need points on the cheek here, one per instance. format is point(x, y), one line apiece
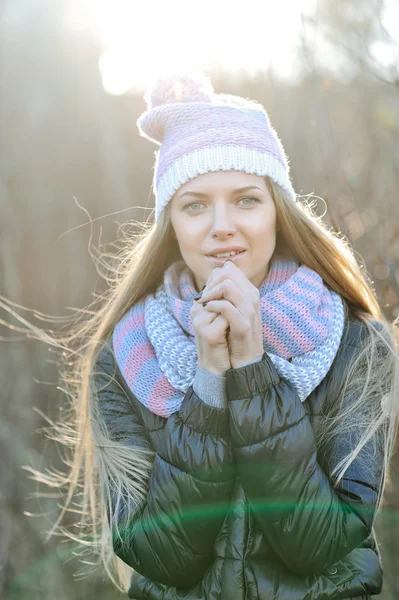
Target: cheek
point(264, 228)
point(188, 232)
point(180, 228)
point(187, 238)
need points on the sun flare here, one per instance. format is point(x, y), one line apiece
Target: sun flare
point(143, 40)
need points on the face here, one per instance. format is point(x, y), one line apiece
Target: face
point(217, 211)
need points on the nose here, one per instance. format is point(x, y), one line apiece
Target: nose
point(223, 223)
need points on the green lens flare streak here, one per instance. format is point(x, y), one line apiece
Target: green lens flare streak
point(206, 513)
point(387, 518)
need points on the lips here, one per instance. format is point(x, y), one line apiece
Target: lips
point(222, 259)
point(224, 250)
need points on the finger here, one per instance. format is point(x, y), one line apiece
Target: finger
point(218, 328)
point(201, 317)
point(228, 290)
point(210, 325)
point(211, 277)
point(239, 323)
point(230, 271)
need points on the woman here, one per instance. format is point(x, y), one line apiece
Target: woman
point(235, 398)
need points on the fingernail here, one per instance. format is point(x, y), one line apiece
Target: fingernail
point(204, 303)
point(198, 296)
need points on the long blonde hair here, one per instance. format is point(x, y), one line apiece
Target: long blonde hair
point(99, 469)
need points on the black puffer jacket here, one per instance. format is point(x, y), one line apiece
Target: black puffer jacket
point(239, 504)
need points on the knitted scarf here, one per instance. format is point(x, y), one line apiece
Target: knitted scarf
point(154, 342)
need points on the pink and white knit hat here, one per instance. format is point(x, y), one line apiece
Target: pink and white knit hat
point(200, 131)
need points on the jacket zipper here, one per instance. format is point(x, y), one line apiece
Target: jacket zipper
point(248, 544)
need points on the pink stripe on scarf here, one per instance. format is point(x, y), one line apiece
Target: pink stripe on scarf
point(305, 313)
point(160, 393)
point(289, 324)
point(134, 321)
point(274, 341)
point(178, 309)
point(136, 357)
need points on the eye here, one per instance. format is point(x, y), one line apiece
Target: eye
point(190, 206)
point(250, 198)
point(187, 206)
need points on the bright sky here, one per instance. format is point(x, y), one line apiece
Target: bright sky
point(144, 39)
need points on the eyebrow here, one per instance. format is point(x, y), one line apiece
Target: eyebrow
point(236, 191)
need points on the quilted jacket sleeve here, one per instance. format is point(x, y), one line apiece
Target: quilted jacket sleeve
point(169, 538)
point(309, 524)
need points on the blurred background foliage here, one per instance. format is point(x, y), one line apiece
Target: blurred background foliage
point(70, 153)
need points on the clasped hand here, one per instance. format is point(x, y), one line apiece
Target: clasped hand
point(230, 293)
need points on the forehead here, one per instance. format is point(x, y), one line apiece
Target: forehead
point(222, 181)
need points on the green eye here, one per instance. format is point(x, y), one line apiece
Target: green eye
point(193, 204)
point(250, 198)
point(190, 208)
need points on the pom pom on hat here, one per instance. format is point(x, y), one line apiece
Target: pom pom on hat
point(200, 131)
point(185, 87)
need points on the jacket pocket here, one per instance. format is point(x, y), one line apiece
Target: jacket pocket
point(339, 573)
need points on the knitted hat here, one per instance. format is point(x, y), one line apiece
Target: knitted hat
point(201, 131)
